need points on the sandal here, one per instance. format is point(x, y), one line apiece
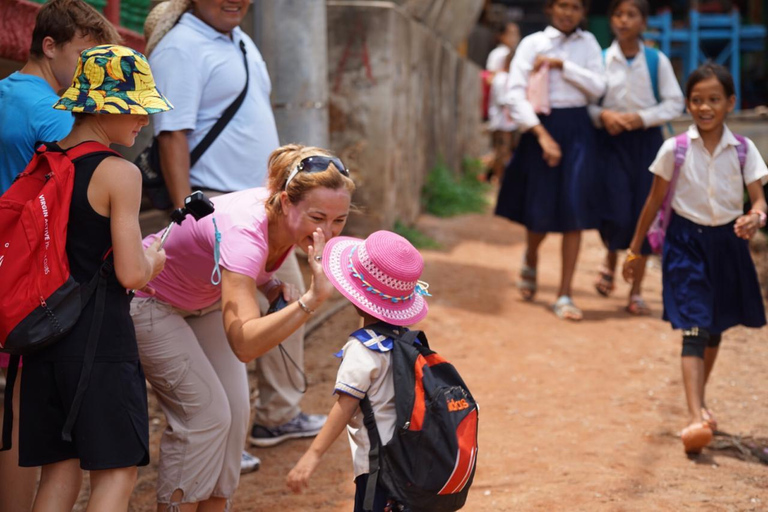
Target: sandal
point(527, 282)
point(604, 283)
point(696, 436)
point(709, 418)
point(565, 309)
point(637, 306)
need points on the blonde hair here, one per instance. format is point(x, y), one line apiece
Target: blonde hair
point(283, 160)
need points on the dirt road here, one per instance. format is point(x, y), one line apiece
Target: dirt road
point(573, 416)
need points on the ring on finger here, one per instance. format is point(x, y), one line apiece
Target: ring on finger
point(318, 258)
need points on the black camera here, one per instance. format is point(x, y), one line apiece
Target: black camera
point(277, 304)
point(196, 205)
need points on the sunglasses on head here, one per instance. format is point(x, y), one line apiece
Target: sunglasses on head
point(317, 163)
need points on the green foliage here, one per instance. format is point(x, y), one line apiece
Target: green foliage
point(416, 237)
point(446, 194)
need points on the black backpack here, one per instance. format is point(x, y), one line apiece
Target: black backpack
point(429, 463)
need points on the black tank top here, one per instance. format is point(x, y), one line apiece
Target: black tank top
point(88, 240)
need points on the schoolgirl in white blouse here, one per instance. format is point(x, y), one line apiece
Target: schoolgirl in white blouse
point(643, 94)
point(550, 183)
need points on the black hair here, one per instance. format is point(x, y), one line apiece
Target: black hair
point(708, 70)
point(642, 6)
point(584, 3)
point(501, 28)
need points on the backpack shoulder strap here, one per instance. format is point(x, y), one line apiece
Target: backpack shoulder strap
point(741, 150)
point(412, 336)
point(652, 60)
point(681, 148)
point(10, 382)
point(87, 148)
point(602, 98)
point(373, 456)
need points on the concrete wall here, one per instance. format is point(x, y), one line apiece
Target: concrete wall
point(291, 36)
point(400, 98)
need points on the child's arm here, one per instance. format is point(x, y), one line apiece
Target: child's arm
point(671, 98)
point(747, 225)
point(550, 149)
point(134, 265)
point(590, 77)
point(651, 208)
point(341, 412)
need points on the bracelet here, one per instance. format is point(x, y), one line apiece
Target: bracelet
point(631, 256)
point(761, 216)
point(305, 308)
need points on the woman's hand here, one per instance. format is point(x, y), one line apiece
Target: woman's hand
point(746, 226)
point(298, 478)
point(550, 149)
point(320, 288)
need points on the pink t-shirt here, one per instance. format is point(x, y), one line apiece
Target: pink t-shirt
point(185, 282)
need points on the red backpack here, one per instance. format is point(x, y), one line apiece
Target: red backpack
point(429, 464)
point(39, 300)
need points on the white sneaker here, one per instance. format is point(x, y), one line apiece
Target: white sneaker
point(303, 425)
point(249, 463)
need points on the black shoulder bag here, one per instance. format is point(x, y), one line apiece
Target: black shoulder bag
point(148, 160)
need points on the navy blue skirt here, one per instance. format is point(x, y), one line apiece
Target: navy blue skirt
point(554, 199)
point(708, 277)
point(626, 181)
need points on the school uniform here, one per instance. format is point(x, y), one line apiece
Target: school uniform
point(498, 113)
point(625, 157)
point(366, 370)
point(709, 279)
point(563, 198)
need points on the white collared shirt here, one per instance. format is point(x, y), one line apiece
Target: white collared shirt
point(201, 71)
point(365, 372)
point(580, 82)
point(496, 58)
point(710, 189)
point(498, 113)
point(630, 89)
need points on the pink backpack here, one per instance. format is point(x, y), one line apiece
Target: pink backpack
point(658, 229)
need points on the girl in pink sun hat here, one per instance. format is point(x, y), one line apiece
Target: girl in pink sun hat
point(380, 276)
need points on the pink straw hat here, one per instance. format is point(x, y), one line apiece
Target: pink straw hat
point(380, 275)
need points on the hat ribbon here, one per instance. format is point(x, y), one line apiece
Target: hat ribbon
point(421, 288)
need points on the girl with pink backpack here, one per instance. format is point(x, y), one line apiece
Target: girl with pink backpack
point(709, 279)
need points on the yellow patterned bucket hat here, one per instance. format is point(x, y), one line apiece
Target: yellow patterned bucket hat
point(113, 79)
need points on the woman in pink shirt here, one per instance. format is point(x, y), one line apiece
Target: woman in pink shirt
point(199, 321)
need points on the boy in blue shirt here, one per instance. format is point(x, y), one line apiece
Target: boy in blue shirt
point(63, 28)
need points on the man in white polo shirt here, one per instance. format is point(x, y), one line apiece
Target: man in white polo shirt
point(199, 65)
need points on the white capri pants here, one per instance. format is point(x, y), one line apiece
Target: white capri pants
point(203, 391)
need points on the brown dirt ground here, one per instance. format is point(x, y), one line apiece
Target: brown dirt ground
point(573, 416)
